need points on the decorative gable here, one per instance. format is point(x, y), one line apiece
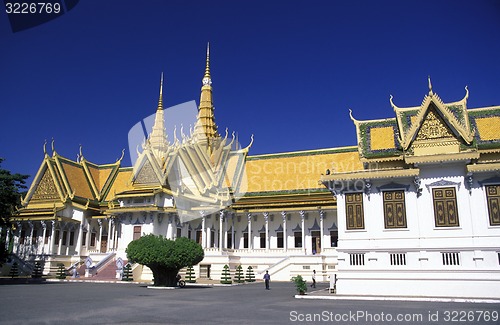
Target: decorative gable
point(46, 189)
point(146, 174)
point(433, 127)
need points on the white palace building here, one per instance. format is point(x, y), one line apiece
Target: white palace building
point(412, 210)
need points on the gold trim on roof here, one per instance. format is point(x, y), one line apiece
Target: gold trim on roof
point(371, 174)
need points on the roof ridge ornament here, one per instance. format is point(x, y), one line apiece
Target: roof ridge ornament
point(352, 117)
point(394, 107)
point(79, 157)
point(53, 150)
point(430, 85)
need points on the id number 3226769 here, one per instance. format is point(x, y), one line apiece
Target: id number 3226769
point(32, 8)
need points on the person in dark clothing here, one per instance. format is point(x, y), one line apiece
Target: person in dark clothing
point(267, 278)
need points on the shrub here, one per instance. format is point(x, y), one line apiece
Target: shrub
point(127, 273)
point(300, 284)
point(37, 270)
point(14, 270)
point(226, 276)
point(250, 276)
point(238, 276)
point(61, 271)
point(190, 278)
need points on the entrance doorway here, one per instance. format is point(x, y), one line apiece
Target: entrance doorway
point(316, 242)
point(205, 271)
point(104, 244)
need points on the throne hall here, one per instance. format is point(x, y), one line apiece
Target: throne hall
point(412, 208)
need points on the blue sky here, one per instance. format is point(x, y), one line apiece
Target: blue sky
point(285, 71)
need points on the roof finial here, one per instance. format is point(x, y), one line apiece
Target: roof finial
point(430, 85)
point(53, 149)
point(206, 78)
point(160, 100)
point(80, 155)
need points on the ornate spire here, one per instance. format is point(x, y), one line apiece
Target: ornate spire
point(205, 130)
point(430, 85)
point(206, 78)
point(160, 100)
point(158, 136)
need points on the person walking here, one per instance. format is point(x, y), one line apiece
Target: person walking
point(313, 285)
point(267, 278)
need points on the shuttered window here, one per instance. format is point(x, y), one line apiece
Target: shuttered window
point(445, 207)
point(394, 209)
point(354, 211)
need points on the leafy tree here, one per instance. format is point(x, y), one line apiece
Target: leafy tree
point(164, 257)
point(10, 188)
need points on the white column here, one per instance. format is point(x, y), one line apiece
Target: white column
point(89, 233)
point(78, 247)
point(250, 239)
point(110, 235)
point(208, 231)
point(44, 233)
point(285, 236)
point(221, 233)
point(203, 233)
point(7, 239)
point(68, 235)
point(302, 217)
point(52, 237)
point(266, 220)
point(232, 231)
point(321, 217)
point(30, 238)
point(228, 216)
point(116, 230)
point(98, 245)
point(19, 230)
point(59, 240)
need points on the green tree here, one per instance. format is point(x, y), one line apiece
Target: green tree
point(127, 273)
point(61, 271)
point(10, 194)
point(250, 276)
point(164, 257)
point(239, 276)
point(14, 270)
point(190, 276)
point(37, 270)
point(226, 275)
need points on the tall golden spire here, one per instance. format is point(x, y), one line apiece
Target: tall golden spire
point(206, 78)
point(205, 129)
point(158, 136)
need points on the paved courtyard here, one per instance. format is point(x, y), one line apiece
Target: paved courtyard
point(108, 303)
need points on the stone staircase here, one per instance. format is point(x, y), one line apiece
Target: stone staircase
point(108, 272)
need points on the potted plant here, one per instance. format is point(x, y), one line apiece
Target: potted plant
point(300, 284)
